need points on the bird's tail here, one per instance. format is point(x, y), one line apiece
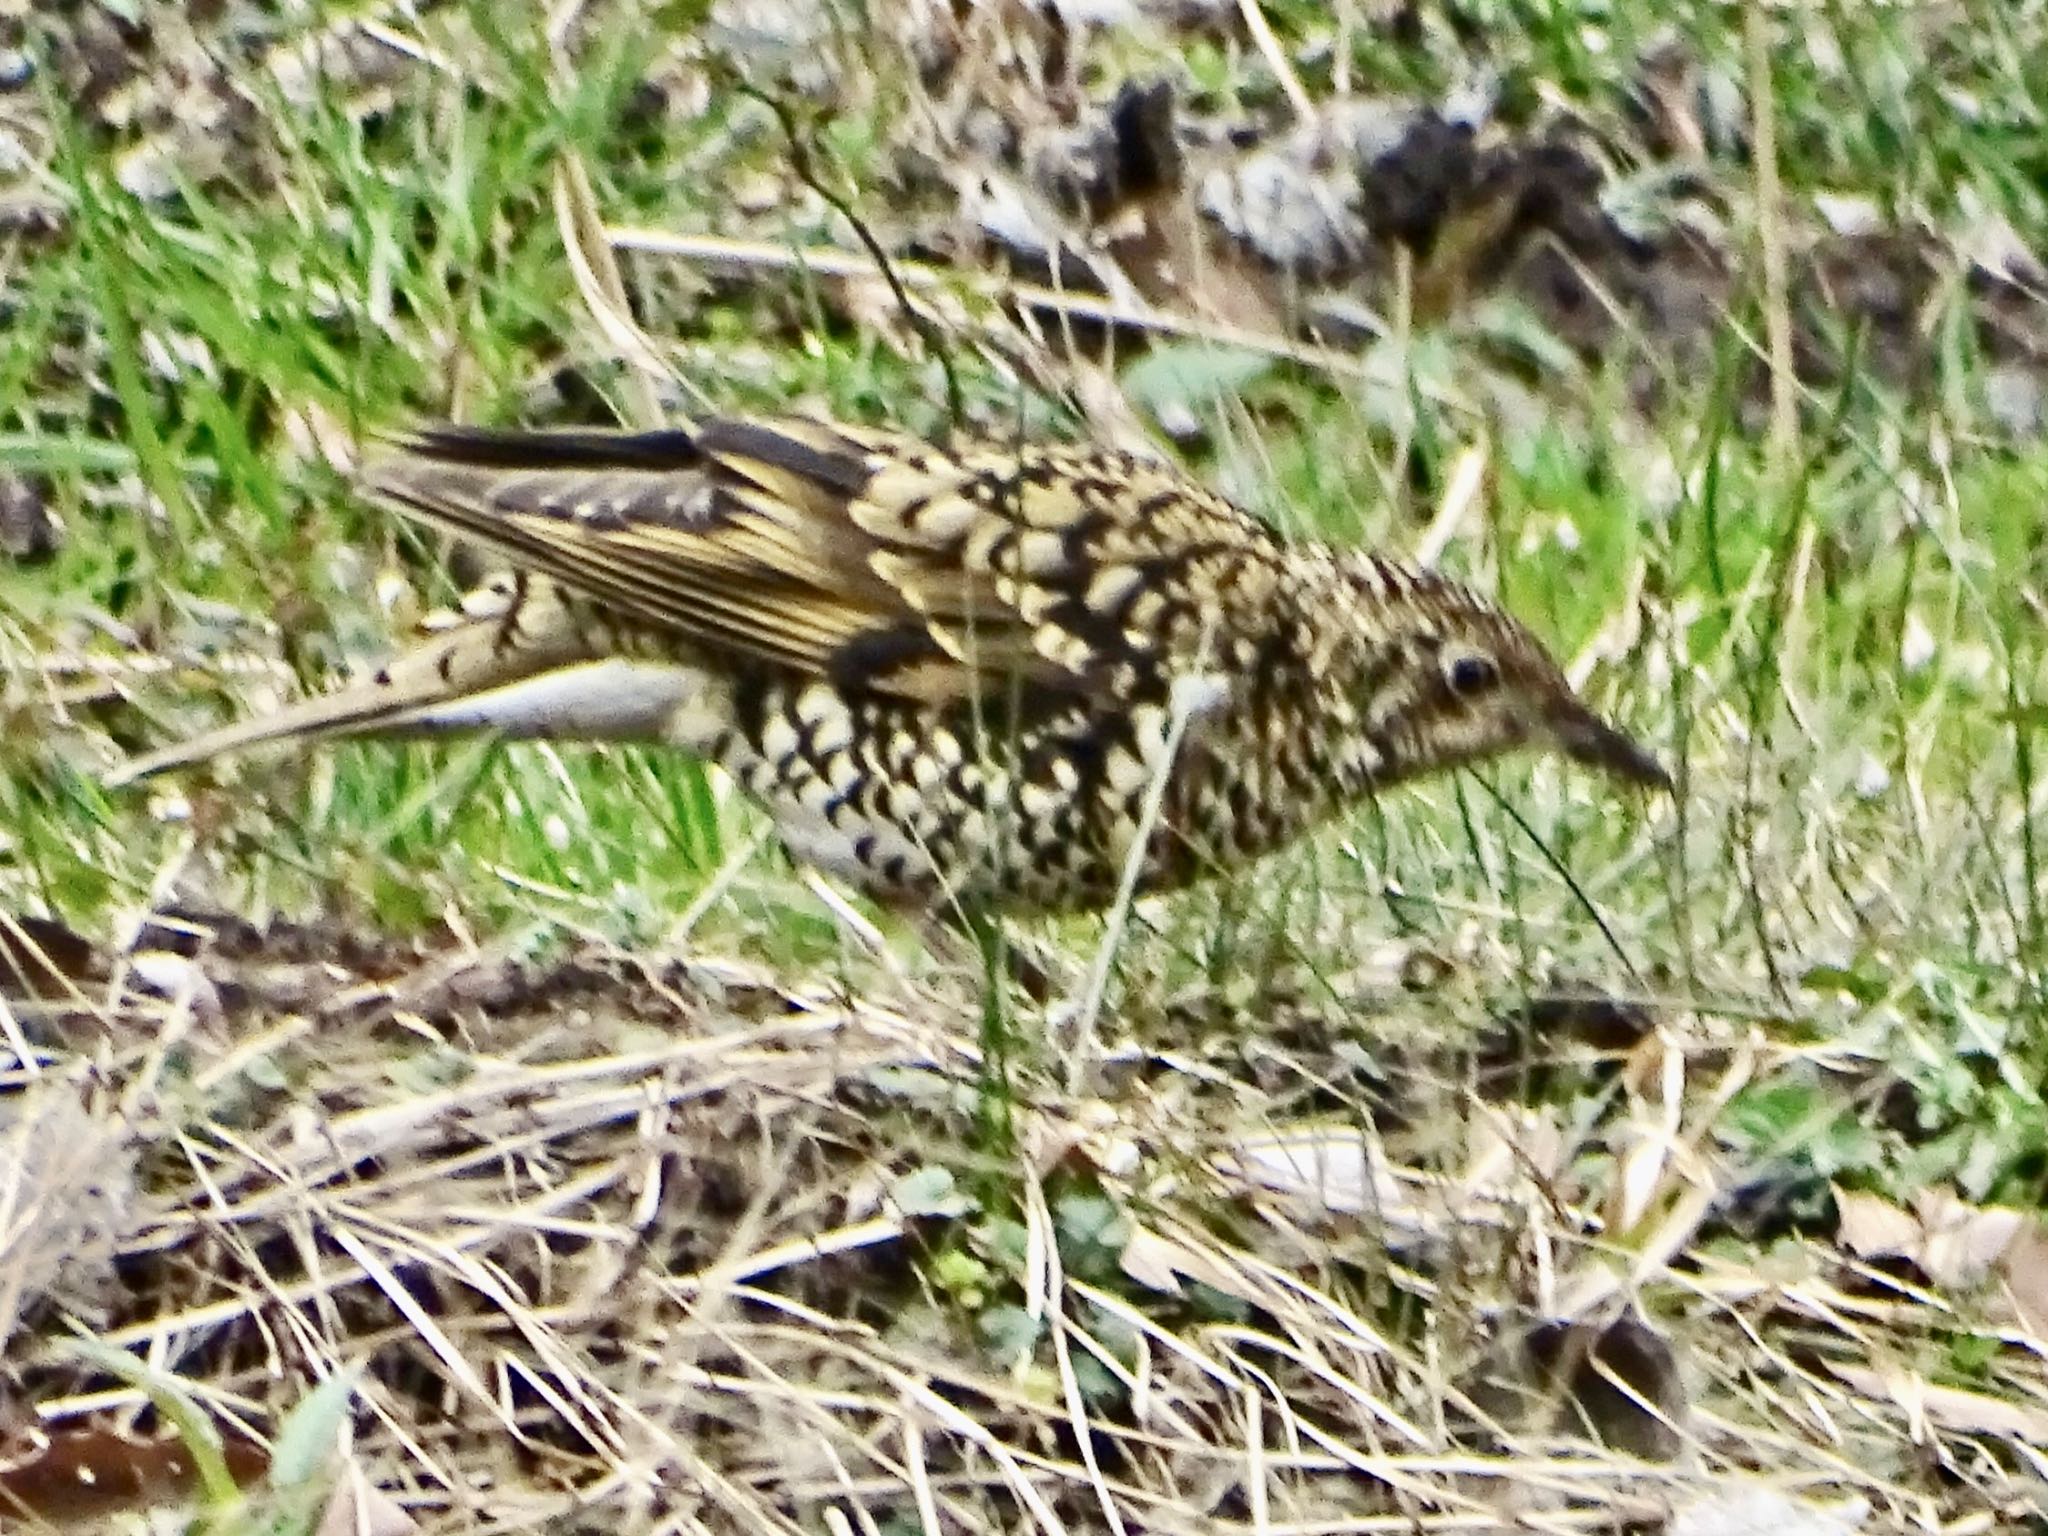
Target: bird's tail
point(533, 671)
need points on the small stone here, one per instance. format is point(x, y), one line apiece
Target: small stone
point(1916, 644)
point(2014, 396)
point(28, 531)
point(1849, 214)
point(178, 979)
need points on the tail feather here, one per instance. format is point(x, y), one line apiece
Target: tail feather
point(552, 664)
point(380, 704)
point(595, 448)
point(486, 674)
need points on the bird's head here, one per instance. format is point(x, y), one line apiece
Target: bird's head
point(1453, 679)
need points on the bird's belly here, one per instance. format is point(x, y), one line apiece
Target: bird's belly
point(882, 856)
point(917, 804)
point(897, 800)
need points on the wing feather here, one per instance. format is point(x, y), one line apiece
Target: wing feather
point(860, 554)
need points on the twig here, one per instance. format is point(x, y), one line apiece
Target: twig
point(1193, 695)
point(1276, 58)
point(800, 161)
point(1770, 232)
point(836, 261)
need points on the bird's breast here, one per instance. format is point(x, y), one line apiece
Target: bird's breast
point(1025, 803)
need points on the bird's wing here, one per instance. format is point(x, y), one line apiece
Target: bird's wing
point(862, 555)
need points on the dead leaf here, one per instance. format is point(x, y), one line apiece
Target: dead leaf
point(1162, 1261)
point(1643, 1166)
point(1152, 1261)
point(1962, 1242)
point(359, 1508)
point(1871, 1227)
point(96, 1472)
point(1926, 1404)
point(2026, 1279)
point(1756, 1509)
point(1335, 1170)
point(1954, 1244)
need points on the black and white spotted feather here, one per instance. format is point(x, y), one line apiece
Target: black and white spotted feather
point(945, 669)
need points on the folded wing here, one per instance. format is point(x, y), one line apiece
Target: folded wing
point(866, 556)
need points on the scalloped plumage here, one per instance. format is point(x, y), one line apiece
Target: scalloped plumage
point(946, 669)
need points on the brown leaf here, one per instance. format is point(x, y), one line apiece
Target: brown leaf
point(1962, 1242)
point(358, 1509)
point(1162, 1261)
point(1153, 1261)
point(1955, 1244)
point(1871, 1227)
point(94, 1472)
point(1947, 1407)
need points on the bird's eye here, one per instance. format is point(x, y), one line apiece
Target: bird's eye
point(1470, 676)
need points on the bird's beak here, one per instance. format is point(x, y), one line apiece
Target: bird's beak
point(1586, 738)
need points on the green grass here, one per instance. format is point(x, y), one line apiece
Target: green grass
point(1845, 663)
point(397, 255)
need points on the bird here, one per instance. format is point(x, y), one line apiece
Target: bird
point(972, 670)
